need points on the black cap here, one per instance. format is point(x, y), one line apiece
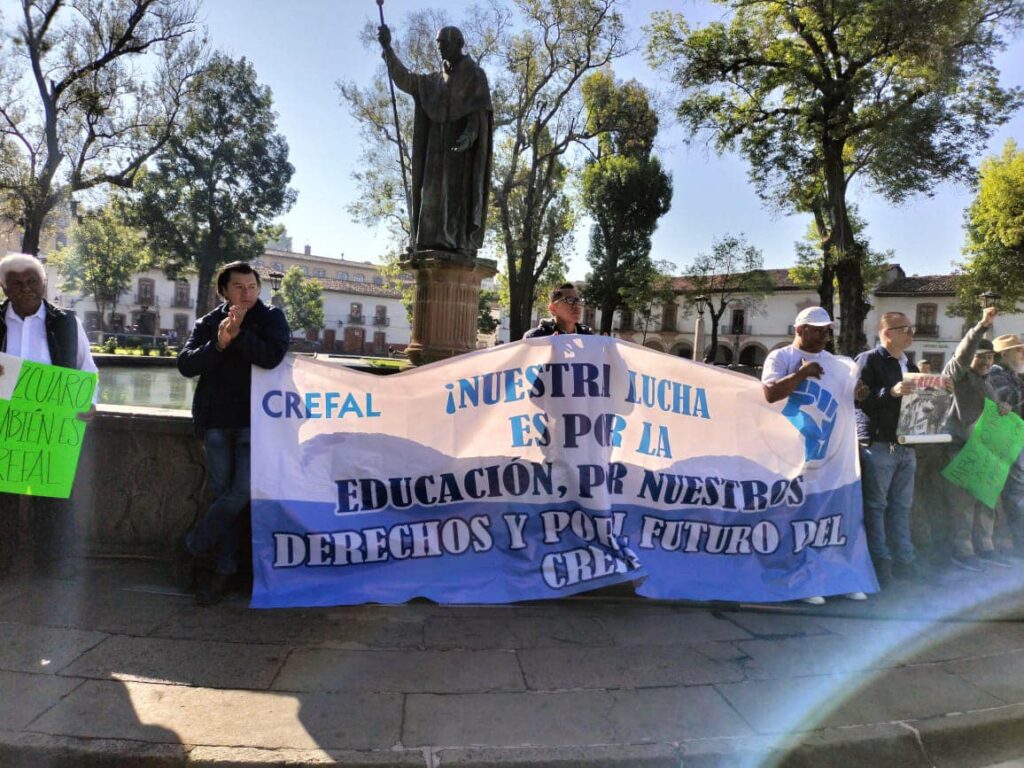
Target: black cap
point(984, 345)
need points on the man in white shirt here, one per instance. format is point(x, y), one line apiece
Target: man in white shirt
point(33, 329)
point(785, 372)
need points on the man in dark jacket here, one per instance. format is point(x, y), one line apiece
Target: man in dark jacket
point(221, 350)
point(566, 309)
point(887, 467)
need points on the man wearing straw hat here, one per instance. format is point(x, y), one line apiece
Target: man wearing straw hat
point(1008, 384)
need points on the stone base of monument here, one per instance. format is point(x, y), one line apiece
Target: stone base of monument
point(446, 303)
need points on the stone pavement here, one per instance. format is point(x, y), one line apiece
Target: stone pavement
point(113, 668)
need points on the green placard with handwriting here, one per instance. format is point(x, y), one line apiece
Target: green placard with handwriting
point(40, 432)
point(984, 462)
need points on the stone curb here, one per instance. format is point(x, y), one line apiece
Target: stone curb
point(959, 740)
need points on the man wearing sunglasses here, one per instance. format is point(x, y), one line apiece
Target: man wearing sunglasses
point(887, 468)
point(566, 309)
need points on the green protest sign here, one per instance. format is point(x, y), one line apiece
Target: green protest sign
point(984, 462)
point(40, 432)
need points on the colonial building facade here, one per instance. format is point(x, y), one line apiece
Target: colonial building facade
point(361, 314)
point(751, 328)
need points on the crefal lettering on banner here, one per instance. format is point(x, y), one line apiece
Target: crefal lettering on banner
point(546, 468)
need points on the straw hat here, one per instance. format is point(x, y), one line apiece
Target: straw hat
point(1006, 341)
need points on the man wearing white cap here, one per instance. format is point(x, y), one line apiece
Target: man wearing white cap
point(785, 369)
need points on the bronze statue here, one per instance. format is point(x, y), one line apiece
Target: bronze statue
point(451, 147)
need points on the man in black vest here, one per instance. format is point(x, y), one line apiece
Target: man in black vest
point(221, 350)
point(33, 329)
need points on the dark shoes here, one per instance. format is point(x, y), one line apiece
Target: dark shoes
point(213, 589)
point(911, 571)
point(967, 563)
point(993, 558)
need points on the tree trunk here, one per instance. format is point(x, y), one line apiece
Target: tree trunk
point(607, 312)
point(848, 257)
point(852, 305)
point(33, 233)
point(826, 282)
point(204, 291)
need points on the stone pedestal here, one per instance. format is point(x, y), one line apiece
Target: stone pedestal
point(447, 301)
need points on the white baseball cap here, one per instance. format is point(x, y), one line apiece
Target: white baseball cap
point(812, 316)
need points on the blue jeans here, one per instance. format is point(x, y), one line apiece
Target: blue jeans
point(1011, 503)
point(217, 532)
point(887, 481)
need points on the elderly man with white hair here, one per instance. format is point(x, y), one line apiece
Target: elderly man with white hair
point(33, 329)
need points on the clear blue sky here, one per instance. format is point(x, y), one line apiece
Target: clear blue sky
point(300, 49)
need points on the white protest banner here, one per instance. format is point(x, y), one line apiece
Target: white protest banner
point(545, 468)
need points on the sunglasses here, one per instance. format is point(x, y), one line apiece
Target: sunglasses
point(571, 301)
point(907, 328)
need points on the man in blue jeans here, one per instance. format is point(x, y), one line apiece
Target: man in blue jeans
point(221, 350)
point(887, 468)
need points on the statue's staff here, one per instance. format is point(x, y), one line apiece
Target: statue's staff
point(398, 132)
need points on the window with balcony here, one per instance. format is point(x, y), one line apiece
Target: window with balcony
point(355, 314)
point(182, 294)
point(321, 273)
point(738, 326)
point(668, 317)
point(380, 316)
point(277, 267)
point(360, 278)
point(147, 291)
point(343, 275)
point(927, 321)
point(378, 280)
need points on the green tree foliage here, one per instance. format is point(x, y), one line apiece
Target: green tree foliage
point(221, 178)
point(730, 276)
point(485, 321)
point(994, 223)
point(558, 45)
point(105, 252)
point(651, 295)
point(897, 93)
point(810, 259)
point(625, 190)
point(89, 90)
point(302, 300)
point(536, 57)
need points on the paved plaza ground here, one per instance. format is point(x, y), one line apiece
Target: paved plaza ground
point(112, 667)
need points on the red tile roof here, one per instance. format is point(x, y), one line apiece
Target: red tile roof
point(345, 286)
point(920, 285)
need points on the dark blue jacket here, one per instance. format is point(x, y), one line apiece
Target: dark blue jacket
point(221, 400)
point(879, 413)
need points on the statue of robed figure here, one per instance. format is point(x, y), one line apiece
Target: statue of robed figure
point(451, 148)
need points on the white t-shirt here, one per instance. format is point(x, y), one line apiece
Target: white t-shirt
point(839, 370)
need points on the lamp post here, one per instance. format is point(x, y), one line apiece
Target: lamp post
point(989, 299)
point(698, 331)
point(275, 285)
